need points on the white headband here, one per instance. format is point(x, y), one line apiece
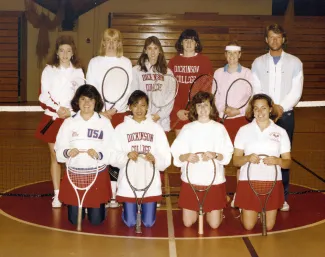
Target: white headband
point(233, 48)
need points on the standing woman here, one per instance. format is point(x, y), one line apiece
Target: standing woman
point(60, 79)
point(186, 66)
point(150, 65)
point(224, 77)
point(110, 54)
point(261, 136)
point(205, 135)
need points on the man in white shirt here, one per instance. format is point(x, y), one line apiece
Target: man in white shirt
point(280, 75)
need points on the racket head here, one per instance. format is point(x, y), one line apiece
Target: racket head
point(139, 174)
point(82, 171)
point(239, 93)
point(261, 177)
point(115, 84)
point(165, 90)
point(205, 83)
point(203, 181)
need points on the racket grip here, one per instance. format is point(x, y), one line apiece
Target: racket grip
point(200, 224)
point(264, 230)
point(79, 218)
point(47, 126)
point(138, 223)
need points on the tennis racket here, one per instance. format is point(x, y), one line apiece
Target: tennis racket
point(238, 95)
point(205, 83)
point(201, 187)
point(82, 172)
point(262, 179)
point(74, 85)
point(114, 86)
point(163, 93)
point(140, 175)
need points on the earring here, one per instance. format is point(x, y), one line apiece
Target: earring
point(57, 57)
point(71, 57)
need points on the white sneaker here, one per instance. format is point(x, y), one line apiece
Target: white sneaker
point(112, 204)
point(56, 203)
point(232, 204)
point(158, 205)
point(285, 207)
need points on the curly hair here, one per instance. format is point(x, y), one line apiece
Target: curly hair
point(90, 92)
point(189, 34)
point(161, 64)
point(274, 115)
point(65, 40)
point(201, 97)
point(113, 34)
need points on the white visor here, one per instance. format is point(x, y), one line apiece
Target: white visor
point(233, 48)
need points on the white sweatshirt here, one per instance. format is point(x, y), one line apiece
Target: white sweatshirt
point(143, 81)
point(203, 137)
point(97, 133)
point(97, 68)
point(146, 136)
point(283, 81)
point(58, 86)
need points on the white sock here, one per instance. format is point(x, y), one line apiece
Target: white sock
point(56, 192)
point(114, 187)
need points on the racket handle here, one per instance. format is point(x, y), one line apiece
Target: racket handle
point(138, 223)
point(264, 230)
point(200, 224)
point(79, 219)
point(47, 126)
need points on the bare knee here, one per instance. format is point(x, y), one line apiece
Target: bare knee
point(248, 225)
point(248, 219)
point(214, 224)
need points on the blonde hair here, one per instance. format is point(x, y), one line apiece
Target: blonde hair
point(112, 33)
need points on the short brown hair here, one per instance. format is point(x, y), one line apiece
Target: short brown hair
point(250, 107)
point(277, 29)
point(90, 92)
point(201, 97)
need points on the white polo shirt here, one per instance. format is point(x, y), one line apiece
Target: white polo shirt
point(272, 141)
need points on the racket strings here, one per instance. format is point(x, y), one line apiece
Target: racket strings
point(115, 84)
point(165, 91)
point(82, 180)
point(262, 187)
point(239, 93)
point(203, 83)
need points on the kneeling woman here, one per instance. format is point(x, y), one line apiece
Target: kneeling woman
point(205, 135)
point(90, 131)
point(139, 134)
point(261, 136)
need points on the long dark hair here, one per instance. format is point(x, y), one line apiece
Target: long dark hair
point(161, 64)
point(201, 97)
point(65, 40)
point(189, 34)
point(90, 92)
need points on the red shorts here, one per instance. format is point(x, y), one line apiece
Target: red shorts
point(50, 134)
point(100, 192)
point(215, 199)
point(118, 118)
point(150, 199)
point(233, 125)
point(247, 200)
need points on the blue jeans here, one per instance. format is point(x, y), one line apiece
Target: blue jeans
point(148, 215)
point(287, 121)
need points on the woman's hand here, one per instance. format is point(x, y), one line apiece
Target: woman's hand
point(150, 158)
point(155, 117)
point(92, 153)
point(272, 160)
point(208, 156)
point(189, 157)
point(73, 152)
point(231, 112)
point(253, 158)
point(182, 115)
point(133, 155)
point(109, 113)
